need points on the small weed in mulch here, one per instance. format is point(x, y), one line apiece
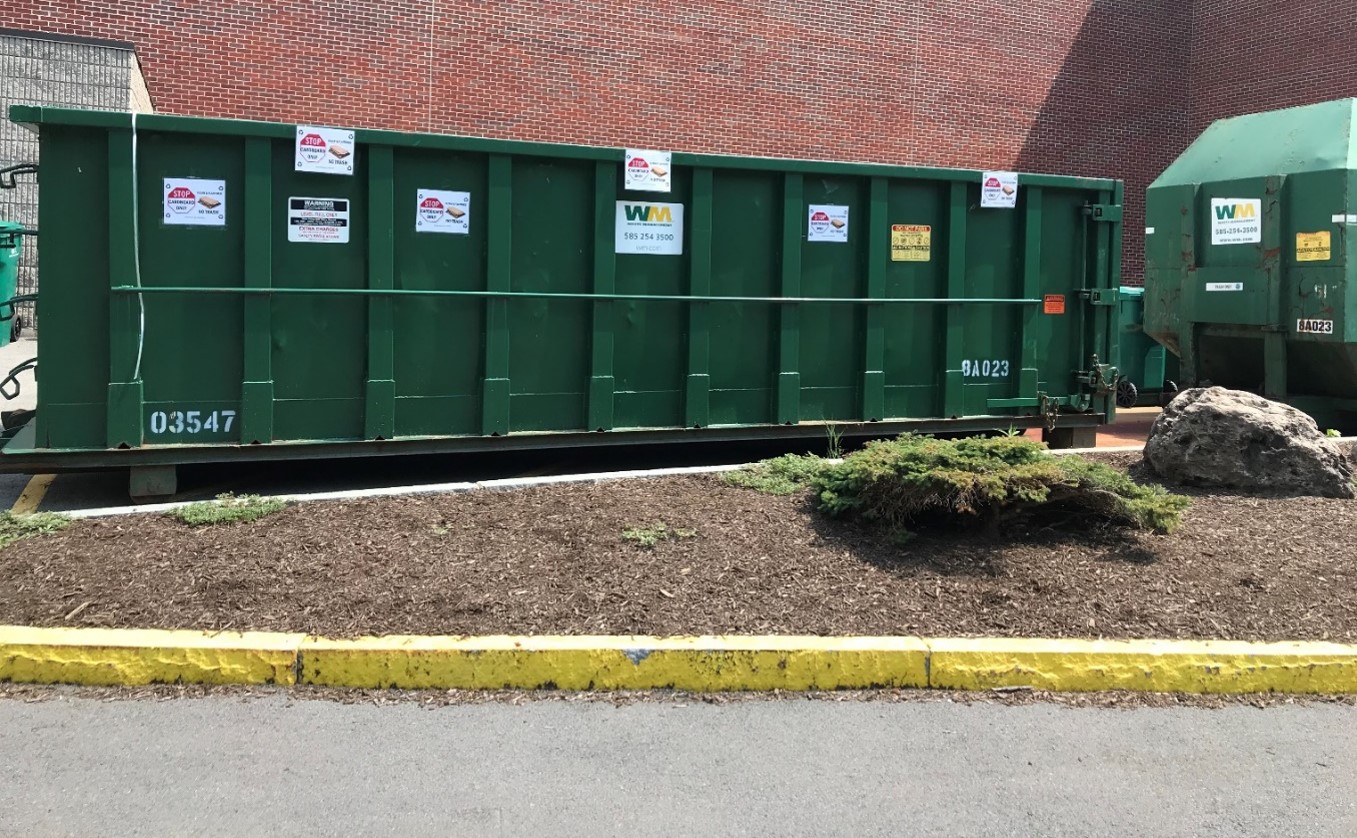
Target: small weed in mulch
point(227, 509)
point(653, 534)
point(15, 527)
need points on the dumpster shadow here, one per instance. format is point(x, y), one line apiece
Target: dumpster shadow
point(1119, 106)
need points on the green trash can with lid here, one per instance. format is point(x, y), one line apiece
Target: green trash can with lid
point(1146, 368)
point(11, 248)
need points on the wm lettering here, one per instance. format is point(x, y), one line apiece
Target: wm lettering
point(649, 214)
point(1234, 212)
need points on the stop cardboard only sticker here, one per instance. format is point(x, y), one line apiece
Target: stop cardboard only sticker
point(194, 202)
point(999, 189)
point(441, 211)
point(827, 223)
point(647, 171)
point(328, 151)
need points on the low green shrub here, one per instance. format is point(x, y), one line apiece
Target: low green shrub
point(914, 480)
point(785, 475)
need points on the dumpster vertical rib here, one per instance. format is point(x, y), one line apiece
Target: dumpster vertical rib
point(256, 397)
point(499, 263)
point(1112, 280)
point(789, 314)
point(602, 386)
point(1274, 336)
point(1189, 289)
point(874, 336)
point(380, 415)
point(952, 401)
point(124, 407)
point(697, 404)
point(1101, 314)
point(1028, 380)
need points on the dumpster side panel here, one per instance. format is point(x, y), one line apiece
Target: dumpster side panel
point(651, 337)
point(991, 356)
point(915, 357)
point(74, 306)
point(541, 320)
point(191, 350)
point(319, 354)
point(747, 240)
point(1316, 290)
point(832, 335)
point(438, 342)
point(552, 231)
point(1068, 260)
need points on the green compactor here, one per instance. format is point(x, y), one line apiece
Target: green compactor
point(1247, 259)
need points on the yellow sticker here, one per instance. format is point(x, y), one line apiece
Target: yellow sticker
point(1312, 247)
point(911, 242)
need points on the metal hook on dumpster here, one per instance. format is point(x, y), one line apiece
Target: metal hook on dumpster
point(12, 380)
point(9, 173)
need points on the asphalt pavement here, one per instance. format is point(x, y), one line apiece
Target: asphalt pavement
point(277, 766)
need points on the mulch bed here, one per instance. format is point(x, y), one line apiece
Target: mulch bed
point(552, 561)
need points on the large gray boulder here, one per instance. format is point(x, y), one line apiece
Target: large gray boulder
point(1236, 440)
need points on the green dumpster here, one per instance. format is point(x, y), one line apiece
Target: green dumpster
point(1148, 371)
point(11, 248)
point(243, 290)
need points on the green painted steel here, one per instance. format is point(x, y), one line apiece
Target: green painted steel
point(1248, 276)
point(531, 320)
point(11, 248)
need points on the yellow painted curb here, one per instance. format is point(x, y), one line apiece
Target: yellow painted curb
point(1170, 666)
point(31, 497)
point(705, 664)
point(114, 657)
point(699, 664)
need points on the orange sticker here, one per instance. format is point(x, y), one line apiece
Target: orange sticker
point(1053, 304)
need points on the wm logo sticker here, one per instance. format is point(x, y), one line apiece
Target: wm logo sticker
point(1235, 212)
point(1236, 221)
point(649, 213)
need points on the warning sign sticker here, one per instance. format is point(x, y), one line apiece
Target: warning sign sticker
point(318, 220)
point(194, 202)
point(911, 242)
point(329, 151)
point(1053, 304)
point(828, 223)
point(648, 171)
point(999, 189)
point(441, 211)
point(1313, 247)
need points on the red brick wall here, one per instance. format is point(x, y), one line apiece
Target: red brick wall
point(1090, 87)
point(1259, 55)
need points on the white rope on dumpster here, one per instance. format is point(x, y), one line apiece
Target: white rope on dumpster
point(136, 255)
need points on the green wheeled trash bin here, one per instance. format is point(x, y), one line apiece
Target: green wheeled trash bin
point(11, 247)
point(1147, 369)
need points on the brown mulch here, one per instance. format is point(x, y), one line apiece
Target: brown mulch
point(552, 561)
